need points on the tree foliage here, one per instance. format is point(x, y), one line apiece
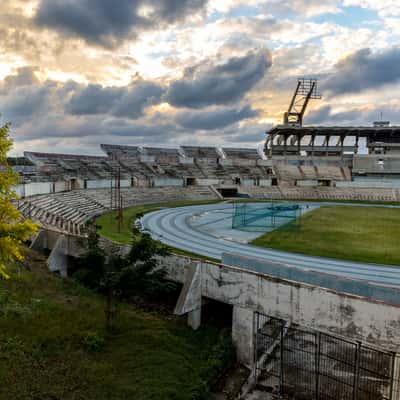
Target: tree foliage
point(13, 229)
point(123, 276)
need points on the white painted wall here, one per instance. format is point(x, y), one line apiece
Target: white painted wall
point(34, 188)
point(162, 182)
point(207, 182)
point(97, 184)
point(125, 183)
point(265, 182)
point(61, 186)
point(308, 182)
point(369, 184)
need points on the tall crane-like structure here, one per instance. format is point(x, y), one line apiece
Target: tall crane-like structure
point(307, 89)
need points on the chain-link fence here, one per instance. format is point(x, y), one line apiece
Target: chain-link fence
point(262, 217)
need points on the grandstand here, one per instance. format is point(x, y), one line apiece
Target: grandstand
point(68, 212)
point(336, 174)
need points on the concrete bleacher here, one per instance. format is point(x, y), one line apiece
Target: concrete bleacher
point(288, 172)
point(199, 152)
point(54, 166)
point(241, 153)
point(323, 193)
point(293, 173)
point(68, 212)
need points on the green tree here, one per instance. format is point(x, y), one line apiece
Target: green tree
point(121, 277)
point(14, 231)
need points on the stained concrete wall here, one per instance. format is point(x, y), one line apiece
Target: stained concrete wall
point(353, 317)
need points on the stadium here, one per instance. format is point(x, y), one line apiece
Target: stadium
point(298, 243)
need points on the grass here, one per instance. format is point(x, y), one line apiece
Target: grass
point(367, 234)
point(109, 229)
point(53, 345)
point(108, 222)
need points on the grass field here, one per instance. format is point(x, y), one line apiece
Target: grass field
point(108, 222)
point(368, 234)
point(53, 345)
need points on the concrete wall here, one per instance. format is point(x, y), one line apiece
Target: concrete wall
point(34, 188)
point(353, 317)
point(265, 182)
point(61, 186)
point(377, 163)
point(341, 284)
point(307, 182)
point(161, 182)
point(207, 182)
point(264, 163)
point(369, 184)
point(186, 160)
point(247, 182)
point(98, 183)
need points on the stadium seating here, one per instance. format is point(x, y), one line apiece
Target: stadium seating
point(322, 193)
point(68, 212)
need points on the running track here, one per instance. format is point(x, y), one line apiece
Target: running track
point(171, 226)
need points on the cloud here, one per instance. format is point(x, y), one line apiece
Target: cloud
point(214, 119)
point(25, 76)
point(365, 70)
point(362, 116)
point(326, 114)
point(216, 84)
point(24, 102)
point(308, 8)
point(130, 101)
point(93, 99)
point(107, 23)
point(137, 98)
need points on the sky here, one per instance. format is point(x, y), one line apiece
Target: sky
point(77, 73)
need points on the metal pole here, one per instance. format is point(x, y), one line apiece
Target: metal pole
point(392, 387)
point(356, 371)
point(317, 365)
point(281, 370)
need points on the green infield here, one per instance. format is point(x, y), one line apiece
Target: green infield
point(54, 345)
point(367, 234)
point(108, 226)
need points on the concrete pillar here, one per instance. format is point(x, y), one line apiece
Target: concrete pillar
point(396, 379)
point(194, 318)
point(243, 334)
point(58, 259)
point(40, 242)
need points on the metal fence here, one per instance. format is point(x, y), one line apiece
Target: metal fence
point(304, 364)
point(262, 217)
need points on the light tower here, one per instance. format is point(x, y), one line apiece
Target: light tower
point(307, 89)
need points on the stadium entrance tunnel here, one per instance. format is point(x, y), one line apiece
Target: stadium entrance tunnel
point(228, 192)
point(190, 182)
point(216, 313)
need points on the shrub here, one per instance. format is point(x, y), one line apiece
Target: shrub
point(93, 341)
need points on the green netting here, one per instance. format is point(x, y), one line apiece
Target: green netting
point(261, 217)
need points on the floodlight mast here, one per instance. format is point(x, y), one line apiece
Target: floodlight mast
point(307, 89)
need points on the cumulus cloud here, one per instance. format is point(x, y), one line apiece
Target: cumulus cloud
point(107, 23)
point(365, 70)
point(303, 7)
point(130, 101)
point(214, 119)
point(215, 84)
point(363, 116)
point(44, 111)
